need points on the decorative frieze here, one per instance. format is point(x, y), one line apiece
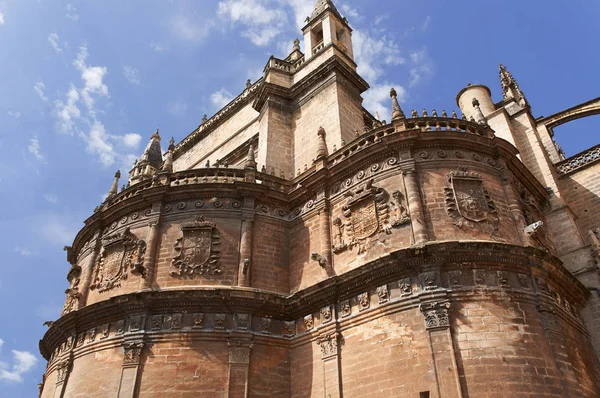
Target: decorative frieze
point(405, 286)
point(198, 321)
point(429, 280)
point(265, 325)
point(364, 301)
point(326, 314)
point(198, 251)
point(132, 352)
point(309, 322)
point(383, 294)
point(136, 323)
point(289, 329)
point(242, 321)
point(455, 278)
point(220, 321)
point(329, 344)
point(345, 308)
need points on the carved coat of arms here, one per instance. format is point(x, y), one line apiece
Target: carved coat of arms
point(467, 201)
point(198, 250)
point(367, 213)
point(121, 253)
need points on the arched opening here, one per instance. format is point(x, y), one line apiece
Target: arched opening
point(578, 135)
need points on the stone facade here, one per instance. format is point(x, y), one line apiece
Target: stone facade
point(295, 246)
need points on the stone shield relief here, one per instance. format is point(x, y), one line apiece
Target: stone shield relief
point(198, 251)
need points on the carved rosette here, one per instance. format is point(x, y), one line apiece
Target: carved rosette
point(132, 352)
point(121, 253)
point(468, 203)
point(328, 344)
point(198, 251)
point(436, 314)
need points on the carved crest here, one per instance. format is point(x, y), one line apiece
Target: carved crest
point(121, 254)
point(198, 250)
point(467, 201)
point(367, 214)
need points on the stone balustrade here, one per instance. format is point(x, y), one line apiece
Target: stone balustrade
point(317, 49)
point(578, 161)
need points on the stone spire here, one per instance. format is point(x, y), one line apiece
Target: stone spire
point(479, 118)
point(296, 45)
point(150, 162)
point(323, 5)
point(250, 159)
point(510, 87)
point(168, 164)
point(114, 188)
point(322, 148)
point(396, 110)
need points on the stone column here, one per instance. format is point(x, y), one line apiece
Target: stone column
point(239, 363)
point(245, 251)
point(132, 354)
point(325, 232)
point(332, 386)
point(437, 323)
point(87, 269)
point(415, 207)
point(513, 203)
point(150, 255)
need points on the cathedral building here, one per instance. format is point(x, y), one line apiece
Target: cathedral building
point(293, 245)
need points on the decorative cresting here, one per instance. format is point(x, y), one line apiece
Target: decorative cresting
point(467, 201)
point(367, 213)
point(198, 251)
point(121, 253)
point(578, 161)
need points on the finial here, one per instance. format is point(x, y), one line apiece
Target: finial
point(168, 163)
point(282, 174)
point(250, 159)
point(207, 165)
point(114, 188)
point(204, 118)
point(365, 129)
point(248, 84)
point(155, 135)
point(305, 167)
point(171, 144)
point(480, 118)
point(425, 113)
point(356, 133)
point(454, 115)
point(414, 113)
point(377, 115)
point(296, 45)
point(322, 148)
point(334, 148)
point(263, 169)
point(444, 114)
point(472, 119)
point(434, 113)
point(396, 110)
point(299, 172)
point(463, 117)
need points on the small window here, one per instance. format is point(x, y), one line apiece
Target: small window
point(424, 394)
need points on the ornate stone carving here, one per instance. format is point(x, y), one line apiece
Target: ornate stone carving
point(542, 285)
point(468, 203)
point(328, 344)
point(239, 351)
point(80, 339)
point(156, 322)
point(455, 278)
point(320, 259)
point(120, 327)
point(198, 321)
point(289, 328)
point(364, 301)
point(429, 280)
point(367, 214)
point(338, 236)
point(104, 331)
point(405, 286)
point(400, 214)
point(73, 295)
point(242, 321)
point(91, 335)
point(503, 279)
point(121, 253)
point(479, 275)
point(198, 251)
point(265, 324)
point(176, 321)
point(132, 352)
point(383, 294)
point(523, 281)
point(436, 314)
point(309, 322)
point(136, 323)
point(345, 308)
point(63, 368)
point(326, 314)
point(220, 321)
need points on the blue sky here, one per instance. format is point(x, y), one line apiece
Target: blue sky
point(83, 85)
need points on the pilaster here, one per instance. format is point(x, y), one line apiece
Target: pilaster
point(239, 364)
point(415, 206)
point(330, 356)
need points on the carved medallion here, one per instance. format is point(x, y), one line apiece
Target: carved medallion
point(309, 322)
point(198, 321)
point(345, 308)
point(364, 301)
point(383, 294)
point(198, 250)
point(467, 202)
point(326, 314)
point(121, 254)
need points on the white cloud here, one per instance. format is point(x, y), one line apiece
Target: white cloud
point(221, 98)
point(177, 108)
point(132, 140)
point(377, 99)
point(158, 48)
point(425, 24)
point(34, 149)
point(51, 198)
point(260, 20)
point(350, 13)
point(14, 113)
point(98, 143)
point(1, 344)
point(72, 12)
point(185, 29)
point(372, 53)
point(1, 18)
point(53, 40)
point(422, 67)
point(68, 112)
point(23, 251)
point(39, 90)
point(23, 361)
point(132, 74)
point(55, 229)
point(92, 77)
point(302, 9)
